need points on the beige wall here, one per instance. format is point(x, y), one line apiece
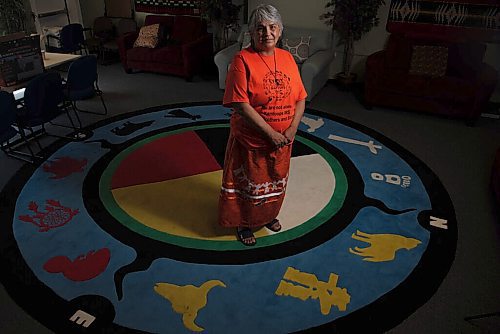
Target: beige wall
point(299, 13)
point(94, 8)
point(90, 10)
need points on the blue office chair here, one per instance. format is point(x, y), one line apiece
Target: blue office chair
point(81, 83)
point(9, 130)
point(71, 39)
point(43, 102)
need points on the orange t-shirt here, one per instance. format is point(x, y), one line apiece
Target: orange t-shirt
point(273, 94)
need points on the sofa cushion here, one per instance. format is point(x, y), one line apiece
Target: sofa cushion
point(465, 59)
point(298, 47)
point(452, 90)
point(187, 29)
point(398, 52)
point(246, 40)
point(171, 54)
point(449, 89)
point(166, 20)
point(397, 81)
point(148, 36)
point(429, 60)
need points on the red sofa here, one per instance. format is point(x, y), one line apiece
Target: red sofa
point(462, 92)
point(184, 54)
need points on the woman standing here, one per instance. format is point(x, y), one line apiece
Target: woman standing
point(266, 94)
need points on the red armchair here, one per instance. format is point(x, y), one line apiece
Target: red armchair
point(185, 54)
point(462, 91)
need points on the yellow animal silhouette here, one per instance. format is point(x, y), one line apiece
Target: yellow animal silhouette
point(308, 286)
point(187, 300)
point(383, 247)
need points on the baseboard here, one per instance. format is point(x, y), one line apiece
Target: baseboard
point(493, 110)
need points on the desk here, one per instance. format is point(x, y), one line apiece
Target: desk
point(52, 60)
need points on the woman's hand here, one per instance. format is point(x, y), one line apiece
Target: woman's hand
point(290, 133)
point(277, 139)
point(292, 129)
point(254, 119)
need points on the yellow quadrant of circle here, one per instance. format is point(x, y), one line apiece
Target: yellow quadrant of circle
point(185, 206)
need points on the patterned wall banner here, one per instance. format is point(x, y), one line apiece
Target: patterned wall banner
point(173, 7)
point(459, 18)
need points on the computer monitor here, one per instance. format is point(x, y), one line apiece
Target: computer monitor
point(20, 58)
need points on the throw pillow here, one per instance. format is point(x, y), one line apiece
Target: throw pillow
point(429, 60)
point(148, 36)
point(246, 41)
point(298, 47)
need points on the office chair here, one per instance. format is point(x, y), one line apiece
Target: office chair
point(9, 130)
point(81, 83)
point(102, 31)
point(71, 39)
point(124, 25)
point(43, 103)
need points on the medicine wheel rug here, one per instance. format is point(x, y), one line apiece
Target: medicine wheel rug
point(117, 232)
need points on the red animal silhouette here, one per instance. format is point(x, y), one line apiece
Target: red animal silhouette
point(64, 166)
point(83, 268)
point(55, 215)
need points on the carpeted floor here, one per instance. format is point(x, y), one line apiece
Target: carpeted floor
point(127, 216)
point(370, 230)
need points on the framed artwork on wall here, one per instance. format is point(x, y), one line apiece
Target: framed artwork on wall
point(473, 19)
point(172, 7)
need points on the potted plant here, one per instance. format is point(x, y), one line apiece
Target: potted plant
point(12, 16)
point(224, 17)
point(351, 19)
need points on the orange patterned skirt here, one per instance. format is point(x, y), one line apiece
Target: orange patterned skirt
point(253, 184)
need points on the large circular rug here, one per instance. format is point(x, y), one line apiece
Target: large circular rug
point(117, 232)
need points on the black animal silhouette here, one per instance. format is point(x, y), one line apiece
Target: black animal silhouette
point(128, 128)
point(179, 113)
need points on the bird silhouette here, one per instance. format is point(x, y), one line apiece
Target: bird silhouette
point(312, 123)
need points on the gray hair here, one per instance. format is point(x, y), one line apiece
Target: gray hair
point(264, 13)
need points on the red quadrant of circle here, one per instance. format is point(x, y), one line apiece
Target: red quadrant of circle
point(167, 158)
